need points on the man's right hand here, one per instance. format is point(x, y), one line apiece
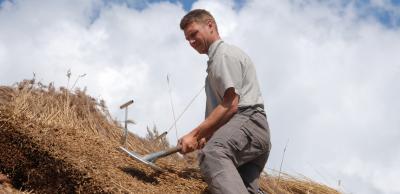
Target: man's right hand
point(188, 143)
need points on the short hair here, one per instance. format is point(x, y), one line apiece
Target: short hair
point(197, 15)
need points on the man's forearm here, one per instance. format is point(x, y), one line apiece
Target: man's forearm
point(225, 119)
point(218, 117)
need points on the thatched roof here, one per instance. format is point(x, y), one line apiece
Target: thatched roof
point(58, 141)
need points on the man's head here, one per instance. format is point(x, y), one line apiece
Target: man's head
point(200, 29)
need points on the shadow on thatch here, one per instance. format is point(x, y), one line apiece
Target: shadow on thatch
point(190, 173)
point(138, 174)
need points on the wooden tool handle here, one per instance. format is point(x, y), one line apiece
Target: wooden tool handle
point(172, 150)
point(154, 156)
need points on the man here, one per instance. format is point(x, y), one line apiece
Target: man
point(234, 136)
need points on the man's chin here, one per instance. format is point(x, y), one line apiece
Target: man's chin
point(201, 51)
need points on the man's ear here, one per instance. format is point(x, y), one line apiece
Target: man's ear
point(210, 24)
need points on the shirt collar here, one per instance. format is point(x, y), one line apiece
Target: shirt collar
point(213, 47)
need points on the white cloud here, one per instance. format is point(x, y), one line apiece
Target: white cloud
point(329, 77)
point(223, 12)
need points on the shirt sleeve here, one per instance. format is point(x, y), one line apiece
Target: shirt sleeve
point(228, 74)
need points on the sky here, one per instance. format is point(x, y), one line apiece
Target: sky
point(329, 72)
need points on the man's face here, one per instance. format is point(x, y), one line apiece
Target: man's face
point(198, 36)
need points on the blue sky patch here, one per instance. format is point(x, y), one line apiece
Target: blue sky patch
point(142, 4)
point(390, 18)
point(385, 16)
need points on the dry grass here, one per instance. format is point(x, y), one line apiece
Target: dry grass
point(70, 111)
point(69, 139)
point(6, 187)
point(287, 184)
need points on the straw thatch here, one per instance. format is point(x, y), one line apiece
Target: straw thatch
point(6, 186)
point(58, 141)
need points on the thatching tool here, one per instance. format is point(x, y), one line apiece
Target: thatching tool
point(150, 159)
point(125, 106)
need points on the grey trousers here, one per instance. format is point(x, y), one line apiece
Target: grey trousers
point(234, 157)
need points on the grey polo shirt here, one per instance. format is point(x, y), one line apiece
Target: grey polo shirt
point(228, 66)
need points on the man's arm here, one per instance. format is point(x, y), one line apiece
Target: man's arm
point(218, 117)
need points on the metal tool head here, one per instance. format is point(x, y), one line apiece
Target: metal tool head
point(142, 159)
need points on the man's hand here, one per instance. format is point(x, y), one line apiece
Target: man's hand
point(188, 143)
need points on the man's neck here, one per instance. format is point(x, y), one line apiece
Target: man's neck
point(213, 47)
point(215, 38)
point(211, 42)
